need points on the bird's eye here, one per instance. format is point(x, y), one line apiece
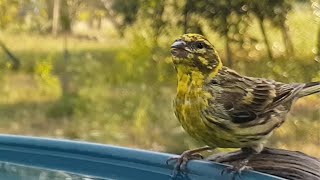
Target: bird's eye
point(199, 45)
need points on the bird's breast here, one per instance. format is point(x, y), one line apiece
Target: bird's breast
point(191, 99)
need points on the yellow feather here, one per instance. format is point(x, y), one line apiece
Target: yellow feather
point(203, 60)
point(248, 98)
point(215, 71)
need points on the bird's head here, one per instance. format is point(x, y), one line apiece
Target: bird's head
point(195, 52)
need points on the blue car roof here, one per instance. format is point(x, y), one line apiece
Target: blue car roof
point(106, 161)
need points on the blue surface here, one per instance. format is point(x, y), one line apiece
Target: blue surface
point(105, 161)
point(10, 171)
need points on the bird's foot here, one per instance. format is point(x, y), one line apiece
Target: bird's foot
point(237, 168)
point(181, 162)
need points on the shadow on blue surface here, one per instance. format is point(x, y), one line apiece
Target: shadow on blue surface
point(81, 160)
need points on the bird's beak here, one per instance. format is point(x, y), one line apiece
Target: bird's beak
point(178, 49)
point(179, 44)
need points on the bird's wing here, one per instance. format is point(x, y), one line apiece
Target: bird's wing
point(245, 99)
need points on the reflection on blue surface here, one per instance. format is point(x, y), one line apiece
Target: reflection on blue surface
point(11, 171)
point(40, 158)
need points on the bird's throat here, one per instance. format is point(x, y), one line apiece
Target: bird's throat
point(190, 81)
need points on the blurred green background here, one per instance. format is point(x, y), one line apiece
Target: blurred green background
point(101, 71)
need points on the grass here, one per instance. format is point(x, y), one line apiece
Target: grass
point(120, 91)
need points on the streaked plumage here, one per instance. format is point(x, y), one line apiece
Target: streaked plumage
point(222, 108)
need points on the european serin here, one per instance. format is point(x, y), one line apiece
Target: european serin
point(222, 108)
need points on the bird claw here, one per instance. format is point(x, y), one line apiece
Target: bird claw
point(181, 162)
point(237, 168)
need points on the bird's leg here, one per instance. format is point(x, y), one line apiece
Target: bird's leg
point(182, 161)
point(240, 166)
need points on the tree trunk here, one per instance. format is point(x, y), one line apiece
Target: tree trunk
point(111, 15)
point(265, 38)
point(185, 16)
point(15, 61)
point(318, 46)
point(287, 39)
point(56, 17)
point(65, 17)
point(282, 163)
point(65, 74)
point(99, 22)
point(158, 23)
point(228, 52)
point(49, 7)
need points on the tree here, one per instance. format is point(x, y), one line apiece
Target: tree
point(56, 17)
point(121, 13)
point(9, 11)
point(153, 10)
point(64, 14)
point(258, 8)
point(279, 18)
point(276, 11)
point(316, 9)
point(226, 17)
point(317, 58)
point(190, 22)
point(231, 20)
point(15, 61)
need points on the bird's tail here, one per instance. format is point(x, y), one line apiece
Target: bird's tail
point(310, 88)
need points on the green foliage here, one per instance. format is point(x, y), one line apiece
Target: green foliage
point(135, 60)
point(65, 107)
point(121, 88)
point(8, 12)
point(43, 72)
point(127, 10)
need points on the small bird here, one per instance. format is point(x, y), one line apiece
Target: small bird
point(221, 108)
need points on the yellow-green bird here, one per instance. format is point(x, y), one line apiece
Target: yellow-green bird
point(222, 108)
